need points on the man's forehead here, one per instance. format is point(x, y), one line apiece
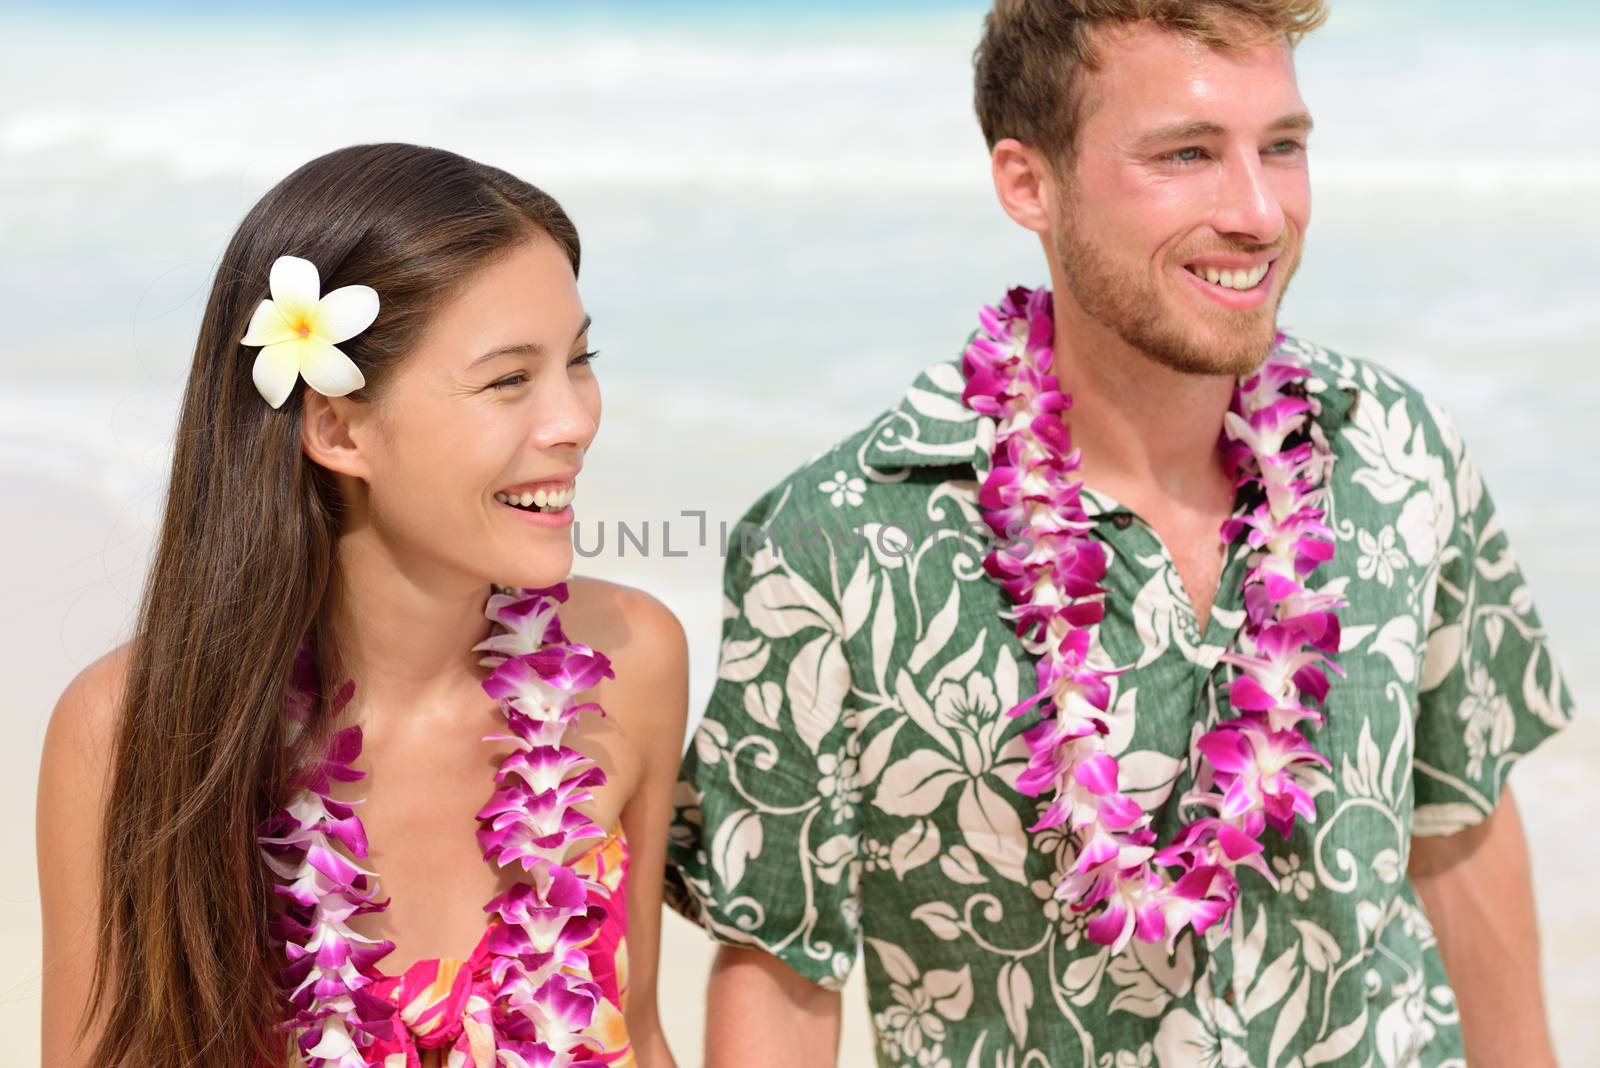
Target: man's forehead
point(1146, 77)
point(1148, 36)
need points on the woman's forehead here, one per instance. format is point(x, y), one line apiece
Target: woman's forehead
point(528, 297)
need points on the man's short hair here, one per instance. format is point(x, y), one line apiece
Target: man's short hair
point(1028, 66)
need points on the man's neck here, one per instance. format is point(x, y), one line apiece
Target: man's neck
point(1148, 438)
point(1147, 433)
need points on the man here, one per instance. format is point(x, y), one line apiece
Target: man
point(856, 775)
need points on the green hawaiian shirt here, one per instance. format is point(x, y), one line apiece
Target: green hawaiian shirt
point(848, 791)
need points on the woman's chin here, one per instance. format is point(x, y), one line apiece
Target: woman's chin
point(550, 568)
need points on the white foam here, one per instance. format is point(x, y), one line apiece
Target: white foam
point(727, 112)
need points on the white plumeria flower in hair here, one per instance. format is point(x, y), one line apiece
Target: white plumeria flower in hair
point(299, 329)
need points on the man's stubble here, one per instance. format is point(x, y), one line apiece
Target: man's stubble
point(1125, 300)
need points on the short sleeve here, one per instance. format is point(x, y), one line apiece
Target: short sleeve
point(765, 841)
point(1491, 689)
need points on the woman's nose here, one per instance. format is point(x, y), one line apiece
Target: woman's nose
point(567, 414)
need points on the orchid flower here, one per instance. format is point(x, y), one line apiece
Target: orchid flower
point(1248, 767)
point(543, 996)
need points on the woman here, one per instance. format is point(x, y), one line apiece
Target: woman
point(389, 405)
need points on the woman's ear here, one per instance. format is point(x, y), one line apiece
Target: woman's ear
point(1024, 183)
point(331, 433)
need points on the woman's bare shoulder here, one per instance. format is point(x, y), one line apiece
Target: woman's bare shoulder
point(623, 622)
point(647, 648)
point(84, 721)
point(73, 779)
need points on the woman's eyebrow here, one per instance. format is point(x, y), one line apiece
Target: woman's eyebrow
point(526, 348)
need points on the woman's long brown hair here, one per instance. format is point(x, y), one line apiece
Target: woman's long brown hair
point(243, 568)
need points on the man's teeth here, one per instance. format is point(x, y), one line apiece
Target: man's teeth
point(1246, 278)
point(544, 500)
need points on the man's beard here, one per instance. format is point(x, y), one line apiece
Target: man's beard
point(1127, 301)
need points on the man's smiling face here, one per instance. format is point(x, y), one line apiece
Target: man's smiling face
point(1183, 209)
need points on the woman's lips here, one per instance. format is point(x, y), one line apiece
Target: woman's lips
point(545, 519)
point(550, 503)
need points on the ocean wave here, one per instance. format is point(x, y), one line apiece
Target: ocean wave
point(788, 113)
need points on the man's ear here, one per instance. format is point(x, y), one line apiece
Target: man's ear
point(331, 430)
point(1025, 184)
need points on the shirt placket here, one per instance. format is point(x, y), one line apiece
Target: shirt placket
point(1127, 534)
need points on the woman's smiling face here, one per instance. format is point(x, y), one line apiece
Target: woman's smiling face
point(496, 403)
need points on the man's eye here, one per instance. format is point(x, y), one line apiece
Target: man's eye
point(509, 380)
point(1192, 154)
point(1288, 148)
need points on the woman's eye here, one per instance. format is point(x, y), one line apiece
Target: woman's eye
point(517, 379)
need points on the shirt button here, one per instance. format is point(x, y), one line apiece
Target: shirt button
point(1122, 520)
point(1227, 995)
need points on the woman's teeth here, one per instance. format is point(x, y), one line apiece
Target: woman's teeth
point(540, 500)
point(1245, 278)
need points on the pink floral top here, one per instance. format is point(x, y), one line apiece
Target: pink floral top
point(443, 1004)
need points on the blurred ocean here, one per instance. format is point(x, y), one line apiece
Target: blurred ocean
point(786, 213)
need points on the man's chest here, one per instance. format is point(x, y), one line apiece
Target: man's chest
point(937, 661)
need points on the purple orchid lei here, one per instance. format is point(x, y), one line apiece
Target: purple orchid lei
point(1252, 768)
point(544, 995)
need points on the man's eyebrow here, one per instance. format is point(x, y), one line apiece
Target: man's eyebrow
point(525, 348)
point(1299, 120)
point(1182, 131)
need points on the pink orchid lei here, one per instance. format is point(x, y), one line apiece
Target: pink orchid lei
point(1251, 769)
point(544, 994)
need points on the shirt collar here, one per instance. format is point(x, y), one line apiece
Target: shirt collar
point(931, 427)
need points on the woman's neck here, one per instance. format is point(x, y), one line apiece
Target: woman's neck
point(404, 633)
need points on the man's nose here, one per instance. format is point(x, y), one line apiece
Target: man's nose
point(1247, 204)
